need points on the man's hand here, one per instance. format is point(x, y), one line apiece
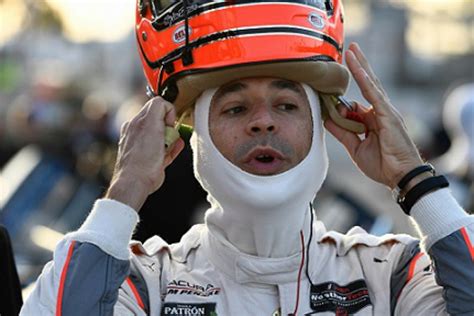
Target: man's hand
point(142, 156)
point(387, 153)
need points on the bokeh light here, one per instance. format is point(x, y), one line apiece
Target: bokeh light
point(101, 20)
point(12, 14)
point(439, 28)
point(82, 20)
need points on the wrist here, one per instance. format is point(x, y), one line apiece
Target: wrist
point(128, 191)
point(410, 179)
point(403, 171)
point(418, 191)
point(417, 183)
point(413, 182)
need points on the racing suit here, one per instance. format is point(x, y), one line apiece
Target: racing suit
point(97, 271)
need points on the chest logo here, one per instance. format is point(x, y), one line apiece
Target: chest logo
point(182, 287)
point(189, 309)
point(342, 300)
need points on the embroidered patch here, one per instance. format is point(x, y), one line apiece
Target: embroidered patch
point(343, 300)
point(189, 309)
point(179, 34)
point(182, 287)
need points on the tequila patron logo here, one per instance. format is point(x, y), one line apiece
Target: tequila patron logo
point(189, 309)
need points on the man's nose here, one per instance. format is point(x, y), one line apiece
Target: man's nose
point(262, 121)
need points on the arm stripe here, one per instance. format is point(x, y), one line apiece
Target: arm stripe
point(59, 301)
point(411, 270)
point(468, 242)
point(135, 293)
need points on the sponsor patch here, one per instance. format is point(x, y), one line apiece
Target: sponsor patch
point(179, 34)
point(342, 300)
point(189, 309)
point(182, 287)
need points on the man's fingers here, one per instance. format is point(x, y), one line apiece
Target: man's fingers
point(367, 114)
point(369, 90)
point(155, 110)
point(357, 51)
point(152, 119)
point(164, 110)
point(367, 87)
point(124, 128)
point(350, 140)
point(170, 116)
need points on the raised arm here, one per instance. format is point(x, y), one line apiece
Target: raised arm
point(90, 273)
point(142, 157)
point(439, 277)
point(386, 155)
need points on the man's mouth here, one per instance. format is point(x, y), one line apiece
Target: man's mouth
point(264, 161)
point(265, 158)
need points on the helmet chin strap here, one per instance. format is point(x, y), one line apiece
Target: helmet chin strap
point(187, 55)
point(259, 215)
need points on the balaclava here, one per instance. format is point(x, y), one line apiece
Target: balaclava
point(259, 215)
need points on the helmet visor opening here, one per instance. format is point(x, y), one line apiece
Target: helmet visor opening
point(175, 7)
point(168, 12)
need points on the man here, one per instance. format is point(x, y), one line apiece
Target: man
point(259, 152)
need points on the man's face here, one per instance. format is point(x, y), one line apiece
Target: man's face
point(261, 125)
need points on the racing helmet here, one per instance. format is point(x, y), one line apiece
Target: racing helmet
point(189, 46)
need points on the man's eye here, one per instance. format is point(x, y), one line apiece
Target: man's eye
point(287, 106)
point(235, 110)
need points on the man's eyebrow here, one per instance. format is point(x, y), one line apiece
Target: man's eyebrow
point(286, 84)
point(230, 88)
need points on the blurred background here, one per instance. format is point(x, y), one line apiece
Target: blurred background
point(70, 76)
